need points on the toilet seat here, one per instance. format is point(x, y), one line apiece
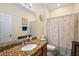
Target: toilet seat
point(51, 47)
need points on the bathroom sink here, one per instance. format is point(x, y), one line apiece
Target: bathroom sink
point(28, 47)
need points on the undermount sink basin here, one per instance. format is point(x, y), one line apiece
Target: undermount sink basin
point(28, 47)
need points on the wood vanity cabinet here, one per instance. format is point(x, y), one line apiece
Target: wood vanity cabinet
point(42, 51)
point(75, 48)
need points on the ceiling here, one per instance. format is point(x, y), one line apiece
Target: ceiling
point(52, 6)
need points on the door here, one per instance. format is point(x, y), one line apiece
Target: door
point(33, 28)
point(5, 28)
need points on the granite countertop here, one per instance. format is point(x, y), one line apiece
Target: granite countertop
point(16, 51)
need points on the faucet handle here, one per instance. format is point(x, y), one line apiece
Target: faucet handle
point(27, 37)
point(30, 38)
point(23, 42)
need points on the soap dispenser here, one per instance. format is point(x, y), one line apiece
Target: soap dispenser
point(43, 38)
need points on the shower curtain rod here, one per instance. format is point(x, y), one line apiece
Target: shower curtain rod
point(63, 16)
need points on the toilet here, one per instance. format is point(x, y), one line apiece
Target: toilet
point(50, 50)
point(50, 47)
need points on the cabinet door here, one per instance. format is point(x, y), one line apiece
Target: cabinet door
point(38, 53)
point(44, 50)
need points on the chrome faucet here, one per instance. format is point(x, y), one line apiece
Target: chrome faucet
point(23, 42)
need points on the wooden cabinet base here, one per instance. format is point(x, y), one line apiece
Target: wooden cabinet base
point(42, 51)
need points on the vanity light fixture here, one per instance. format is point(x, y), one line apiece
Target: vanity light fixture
point(29, 5)
point(41, 17)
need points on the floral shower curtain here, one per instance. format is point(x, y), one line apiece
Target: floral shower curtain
point(61, 31)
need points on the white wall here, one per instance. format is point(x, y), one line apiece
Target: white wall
point(65, 10)
point(40, 9)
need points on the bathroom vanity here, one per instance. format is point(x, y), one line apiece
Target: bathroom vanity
point(40, 50)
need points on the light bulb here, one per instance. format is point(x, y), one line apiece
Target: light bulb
point(58, 4)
